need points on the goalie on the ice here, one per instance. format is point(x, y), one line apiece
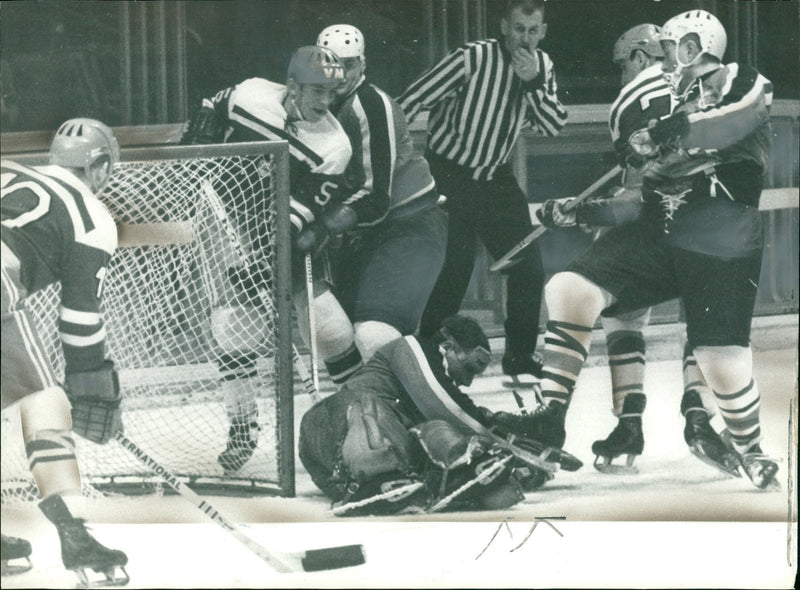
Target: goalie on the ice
point(400, 435)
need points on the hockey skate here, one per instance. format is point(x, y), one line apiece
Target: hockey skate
point(389, 493)
point(760, 468)
point(14, 548)
point(80, 551)
point(242, 441)
point(626, 439)
point(707, 445)
point(516, 365)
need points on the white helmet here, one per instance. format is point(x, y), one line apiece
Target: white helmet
point(713, 39)
point(644, 37)
point(344, 40)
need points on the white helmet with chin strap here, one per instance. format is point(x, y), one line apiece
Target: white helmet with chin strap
point(344, 40)
point(709, 30)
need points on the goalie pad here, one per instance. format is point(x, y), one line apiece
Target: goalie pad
point(376, 441)
point(466, 471)
point(95, 399)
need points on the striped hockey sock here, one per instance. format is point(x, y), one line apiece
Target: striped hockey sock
point(565, 351)
point(341, 366)
point(740, 411)
point(626, 359)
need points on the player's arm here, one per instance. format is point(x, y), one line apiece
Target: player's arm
point(435, 84)
point(546, 113)
point(209, 122)
point(372, 122)
point(90, 381)
point(429, 387)
point(743, 108)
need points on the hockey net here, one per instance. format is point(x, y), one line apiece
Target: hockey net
point(186, 215)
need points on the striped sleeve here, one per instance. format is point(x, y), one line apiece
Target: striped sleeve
point(547, 115)
point(371, 131)
point(435, 84)
point(743, 105)
point(434, 395)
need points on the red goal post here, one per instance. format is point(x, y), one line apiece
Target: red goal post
point(185, 215)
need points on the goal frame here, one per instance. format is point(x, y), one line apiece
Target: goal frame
point(278, 152)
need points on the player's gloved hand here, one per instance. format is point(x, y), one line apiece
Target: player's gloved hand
point(642, 144)
point(312, 238)
point(204, 127)
point(95, 399)
point(552, 214)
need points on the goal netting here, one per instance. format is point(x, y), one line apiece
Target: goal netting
point(203, 233)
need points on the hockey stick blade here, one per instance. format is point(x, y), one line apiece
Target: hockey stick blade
point(537, 454)
point(513, 255)
point(311, 560)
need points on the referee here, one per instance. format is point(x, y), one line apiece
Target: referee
point(480, 97)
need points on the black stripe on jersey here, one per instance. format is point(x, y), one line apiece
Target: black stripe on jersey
point(88, 223)
point(379, 142)
point(282, 134)
point(623, 98)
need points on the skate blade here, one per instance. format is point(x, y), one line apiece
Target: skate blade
point(730, 471)
point(14, 569)
point(515, 383)
point(605, 465)
point(110, 580)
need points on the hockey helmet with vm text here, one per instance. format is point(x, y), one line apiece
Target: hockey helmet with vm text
point(713, 39)
point(79, 143)
point(344, 40)
point(312, 64)
point(645, 37)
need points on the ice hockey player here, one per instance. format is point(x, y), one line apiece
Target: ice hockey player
point(400, 435)
point(645, 96)
point(257, 110)
point(699, 238)
point(56, 231)
point(386, 268)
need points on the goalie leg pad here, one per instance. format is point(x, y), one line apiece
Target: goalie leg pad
point(376, 440)
point(95, 399)
point(466, 471)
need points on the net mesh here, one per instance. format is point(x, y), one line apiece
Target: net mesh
point(190, 307)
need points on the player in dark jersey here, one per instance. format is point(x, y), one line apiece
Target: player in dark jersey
point(645, 97)
point(400, 433)
point(56, 231)
point(698, 238)
point(385, 270)
point(257, 110)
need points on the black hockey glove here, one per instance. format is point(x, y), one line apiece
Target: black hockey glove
point(552, 214)
point(332, 222)
point(205, 127)
point(95, 399)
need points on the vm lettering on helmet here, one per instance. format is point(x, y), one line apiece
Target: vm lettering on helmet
point(334, 73)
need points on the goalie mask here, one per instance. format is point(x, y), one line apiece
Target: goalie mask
point(712, 39)
point(348, 43)
point(86, 144)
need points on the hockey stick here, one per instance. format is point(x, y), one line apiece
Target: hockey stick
point(218, 207)
point(310, 561)
point(510, 258)
point(312, 325)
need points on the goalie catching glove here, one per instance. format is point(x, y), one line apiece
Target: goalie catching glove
point(95, 399)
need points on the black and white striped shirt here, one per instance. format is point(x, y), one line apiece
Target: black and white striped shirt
point(478, 106)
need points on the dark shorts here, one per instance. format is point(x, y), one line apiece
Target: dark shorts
point(718, 293)
point(388, 273)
